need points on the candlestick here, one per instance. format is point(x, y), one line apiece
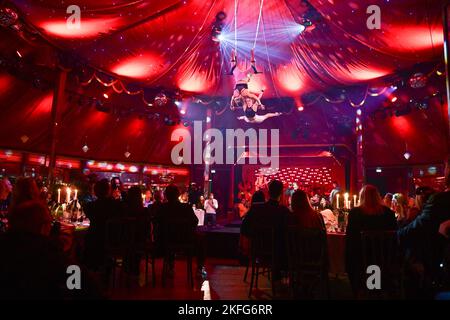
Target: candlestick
point(337, 200)
point(59, 195)
point(68, 194)
point(354, 200)
point(76, 194)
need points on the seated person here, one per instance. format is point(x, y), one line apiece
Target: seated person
point(372, 214)
point(303, 215)
point(174, 213)
point(33, 265)
point(98, 212)
point(270, 214)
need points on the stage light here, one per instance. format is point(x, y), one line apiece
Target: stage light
point(220, 37)
point(407, 155)
point(85, 148)
point(178, 103)
point(127, 154)
point(393, 99)
point(394, 87)
point(183, 111)
point(300, 108)
point(439, 72)
point(208, 119)
point(379, 170)
point(18, 53)
point(358, 112)
point(301, 28)
point(106, 96)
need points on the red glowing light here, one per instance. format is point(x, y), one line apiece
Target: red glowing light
point(413, 37)
point(393, 99)
point(300, 108)
point(106, 96)
point(361, 73)
point(182, 111)
point(88, 28)
point(290, 78)
point(142, 66)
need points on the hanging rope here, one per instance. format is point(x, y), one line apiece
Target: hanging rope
point(235, 25)
point(257, 24)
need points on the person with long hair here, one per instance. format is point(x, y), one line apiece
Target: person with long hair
point(303, 215)
point(400, 207)
point(371, 214)
point(25, 190)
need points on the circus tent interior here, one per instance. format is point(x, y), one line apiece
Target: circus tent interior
point(351, 92)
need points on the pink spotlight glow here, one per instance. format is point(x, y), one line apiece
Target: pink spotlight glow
point(197, 82)
point(407, 38)
point(88, 28)
point(401, 125)
point(367, 73)
point(142, 66)
point(290, 78)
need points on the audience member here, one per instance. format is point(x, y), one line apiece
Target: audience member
point(99, 212)
point(372, 214)
point(421, 238)
point(271, 214)
point(174, 214)
point(303, 215)
point(400, 207)
point(25, 189)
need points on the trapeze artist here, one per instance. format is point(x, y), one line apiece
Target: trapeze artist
point(242, 97)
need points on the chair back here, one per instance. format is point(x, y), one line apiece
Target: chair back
point(120, 235)
point(262, 244)
point(380, 248)
point(307, 250)
point(177, 235)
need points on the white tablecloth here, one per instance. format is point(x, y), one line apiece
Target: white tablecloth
point(200, 215)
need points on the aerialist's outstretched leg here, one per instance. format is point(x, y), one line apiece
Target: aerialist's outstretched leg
point(270, 115)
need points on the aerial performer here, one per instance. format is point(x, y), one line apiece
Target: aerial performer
point(242, 97)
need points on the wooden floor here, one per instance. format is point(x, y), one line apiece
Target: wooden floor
point(224, 282)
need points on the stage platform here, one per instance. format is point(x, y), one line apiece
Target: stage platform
point(223, 240)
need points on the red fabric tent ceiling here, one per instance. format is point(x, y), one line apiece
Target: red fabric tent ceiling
point(169, 43)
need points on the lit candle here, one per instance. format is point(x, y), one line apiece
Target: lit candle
point(354, 200)
point(346, 200)
point(68, 195)
point(59, 195)
point(75, 196)
point(337, 201)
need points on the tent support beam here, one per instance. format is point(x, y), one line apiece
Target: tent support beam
point(57, 105)
point(446, 30)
